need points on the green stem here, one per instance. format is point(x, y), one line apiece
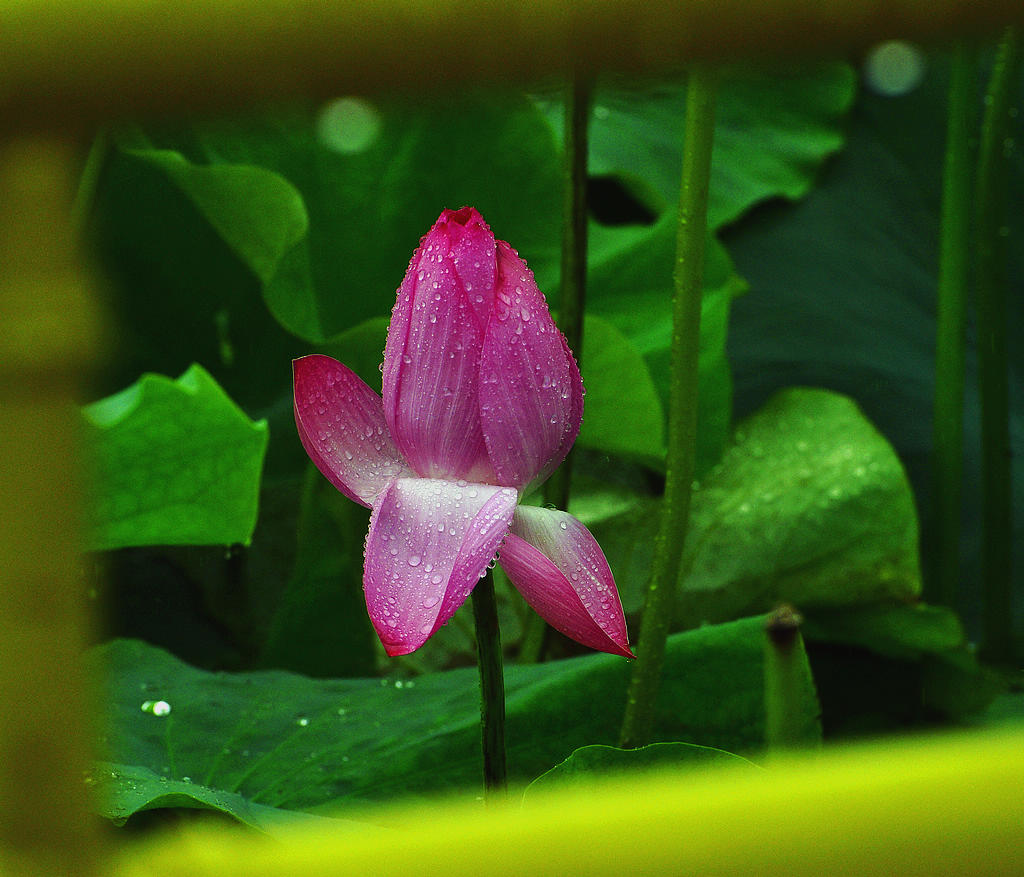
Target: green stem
point(638, 722)
point(492, 688)
point(573, 296)
point(990, 205)
point(785, 672)
point(954, 259)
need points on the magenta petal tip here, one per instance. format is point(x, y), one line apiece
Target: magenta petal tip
point(341, 425)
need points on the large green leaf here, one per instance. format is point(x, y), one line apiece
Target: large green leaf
point(256, 212)
point(809, 505)
point(121, 791)
point(296, 743)
point(174, 463)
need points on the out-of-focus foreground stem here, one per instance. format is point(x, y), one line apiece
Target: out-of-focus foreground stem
point(49, 340)
point(103, 59)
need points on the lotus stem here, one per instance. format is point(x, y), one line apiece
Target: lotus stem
point(699, 130)
point(492, 688)
point(572, 300)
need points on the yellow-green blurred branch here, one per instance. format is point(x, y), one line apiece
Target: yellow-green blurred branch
point(939, 807)
point(83, 60)
point(49, 336)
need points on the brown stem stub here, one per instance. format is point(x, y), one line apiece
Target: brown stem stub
point(783, 627)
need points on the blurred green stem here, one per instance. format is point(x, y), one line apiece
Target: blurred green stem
point(954, 259)
point(682, 415)
point(993, 377)
point(492, 688)
point(573, 295)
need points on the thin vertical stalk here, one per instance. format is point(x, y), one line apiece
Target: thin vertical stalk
point(492, 688)
point(572, 300)
point(993, 363)
point(954, 260)
point(682, 426)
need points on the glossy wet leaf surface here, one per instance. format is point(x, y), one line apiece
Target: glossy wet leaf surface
point(295, 743)
point(809, 505)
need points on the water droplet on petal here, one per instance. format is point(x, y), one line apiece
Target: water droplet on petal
point(414, 560)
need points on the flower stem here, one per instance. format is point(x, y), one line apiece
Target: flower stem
point(492, 688)
point(990, 205)
point(682, 425)
point(574, 212)
point(954, 259)
point(572, 299)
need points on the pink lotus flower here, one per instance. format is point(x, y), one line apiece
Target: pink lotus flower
point(482, 399)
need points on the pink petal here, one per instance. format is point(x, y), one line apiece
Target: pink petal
point(531, 394)
point(430, 541)
point(558, 567)
point(341, 426)
point(431, 359)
